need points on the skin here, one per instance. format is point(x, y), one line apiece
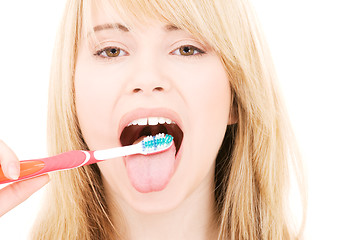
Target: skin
point(150, 72)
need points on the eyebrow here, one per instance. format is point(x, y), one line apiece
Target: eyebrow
point(171, 27)
point(121, 27)
point(106, 26)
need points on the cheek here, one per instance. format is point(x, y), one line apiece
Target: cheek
point(212, 112)
point(208, 98)
point(95, 93)
point(206, 90)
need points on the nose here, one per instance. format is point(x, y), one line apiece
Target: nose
point(147, 77)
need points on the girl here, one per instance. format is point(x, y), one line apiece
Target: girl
point(199, 70)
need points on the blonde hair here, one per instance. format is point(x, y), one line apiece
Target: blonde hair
point(252, 167)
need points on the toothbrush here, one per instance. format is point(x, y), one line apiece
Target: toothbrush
point(77, 158)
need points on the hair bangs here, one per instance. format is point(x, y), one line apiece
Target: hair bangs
point(194, 16)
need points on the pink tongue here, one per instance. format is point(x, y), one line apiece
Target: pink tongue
point(151, 172)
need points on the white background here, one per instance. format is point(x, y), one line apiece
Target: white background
point(307, 40)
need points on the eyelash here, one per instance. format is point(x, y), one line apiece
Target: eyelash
point(101, 53)
point(103, 50)
point(198, 50)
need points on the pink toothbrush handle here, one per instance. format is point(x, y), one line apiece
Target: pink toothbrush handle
point(63, 161)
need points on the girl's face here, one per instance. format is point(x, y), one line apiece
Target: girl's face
point(160, 73)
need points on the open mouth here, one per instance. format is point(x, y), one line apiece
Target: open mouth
point(151, 126)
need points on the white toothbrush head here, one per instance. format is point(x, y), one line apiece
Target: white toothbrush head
point(156, 144)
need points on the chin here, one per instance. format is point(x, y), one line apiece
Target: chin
point(155, 202)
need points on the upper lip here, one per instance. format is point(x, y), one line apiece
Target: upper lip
point(148, 112)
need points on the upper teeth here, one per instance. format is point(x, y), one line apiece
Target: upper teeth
point(151, 121)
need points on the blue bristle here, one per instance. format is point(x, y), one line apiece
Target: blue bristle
point(156, 142)
point(168, 139)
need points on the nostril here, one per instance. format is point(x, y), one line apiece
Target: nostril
point(136, 90)
point(158, 89)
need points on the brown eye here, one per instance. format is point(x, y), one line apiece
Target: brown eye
point(187, 50)
point(111, 52)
